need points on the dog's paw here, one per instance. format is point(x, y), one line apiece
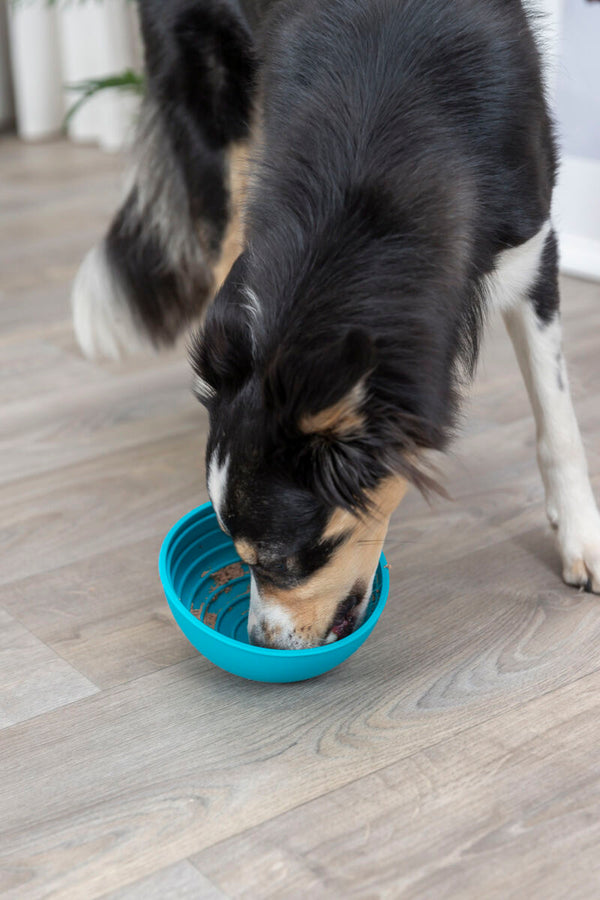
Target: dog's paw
point(579, 544)
point(102, 320)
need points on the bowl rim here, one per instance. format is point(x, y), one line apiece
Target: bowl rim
point(174, 600)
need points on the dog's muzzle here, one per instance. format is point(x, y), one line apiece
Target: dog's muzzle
point(274, 628)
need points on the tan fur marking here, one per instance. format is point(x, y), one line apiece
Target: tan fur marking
point(233, 241)
point(342, 419)
point(240, 159)
point(312, 605)
point(246, 552)
point(341, 521)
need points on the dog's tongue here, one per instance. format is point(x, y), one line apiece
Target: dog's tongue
point(344, 628)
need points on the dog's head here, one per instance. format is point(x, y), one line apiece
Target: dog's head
point(298, 467)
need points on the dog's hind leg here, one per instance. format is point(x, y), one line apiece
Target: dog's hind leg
point(533, 322)
point(164, 253)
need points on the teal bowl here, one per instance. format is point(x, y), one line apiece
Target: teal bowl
point(208, 589)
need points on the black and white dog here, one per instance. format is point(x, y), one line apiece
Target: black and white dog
point(401, 177)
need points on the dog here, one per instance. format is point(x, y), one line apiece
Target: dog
point(395, 161)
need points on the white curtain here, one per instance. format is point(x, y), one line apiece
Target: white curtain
point(46, 47)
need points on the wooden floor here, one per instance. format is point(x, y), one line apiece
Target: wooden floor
point(455, 756)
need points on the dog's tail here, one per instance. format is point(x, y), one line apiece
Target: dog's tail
point(156, 268)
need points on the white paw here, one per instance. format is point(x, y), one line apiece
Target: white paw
point(579, 544)
point(103, 324)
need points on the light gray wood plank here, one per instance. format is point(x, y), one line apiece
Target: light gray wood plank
point(266, 866)
point(57, 200)
point(107, 615)
point(33, 369)
point(33, 679)
point(88, 420)
point(510, 809)
point(62, 516)
point(180, 882)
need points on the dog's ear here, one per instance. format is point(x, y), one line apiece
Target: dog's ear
point(221, 352)
point(321, 392)
point(340, 420)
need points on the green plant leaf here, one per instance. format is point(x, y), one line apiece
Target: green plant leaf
point(124, 81)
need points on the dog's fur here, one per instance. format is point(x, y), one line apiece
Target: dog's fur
point(403, 164)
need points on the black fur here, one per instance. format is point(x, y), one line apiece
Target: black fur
point(200, 60)
point(162, 294)
point(406, 143)
point(545, 294)
point(200, 65)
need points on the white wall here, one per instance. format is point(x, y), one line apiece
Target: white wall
point(6, 103)
point(577, 199)
point(578, 98)
point(70, 41)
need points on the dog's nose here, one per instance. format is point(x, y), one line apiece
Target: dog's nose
point(257, 638)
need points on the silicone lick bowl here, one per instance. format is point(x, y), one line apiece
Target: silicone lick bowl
point(192, 558)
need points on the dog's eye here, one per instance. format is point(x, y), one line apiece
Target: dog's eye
point(276, 565)
point(273, 567)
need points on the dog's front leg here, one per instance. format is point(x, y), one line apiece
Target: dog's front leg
point(533, 323)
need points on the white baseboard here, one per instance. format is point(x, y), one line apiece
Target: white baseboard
point(576, 216)
point(579, 256)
